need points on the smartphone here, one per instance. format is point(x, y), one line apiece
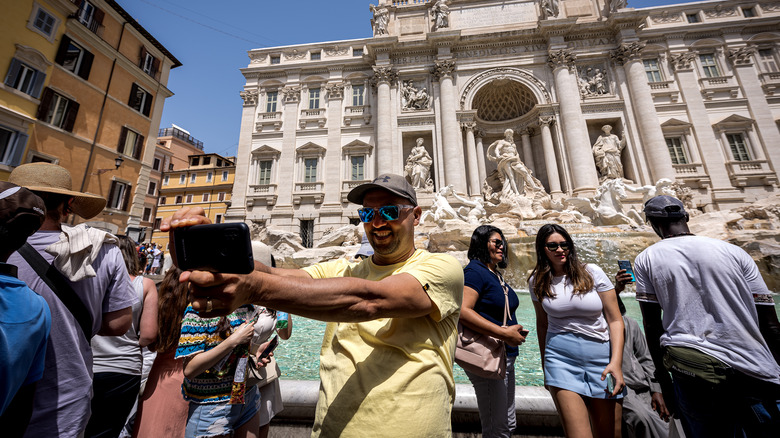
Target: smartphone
point(610, 383)
point(626, 264)
point(271, 346)
point(225, 248)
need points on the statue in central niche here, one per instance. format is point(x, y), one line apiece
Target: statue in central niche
point(606, 152)
point(441, 14)
point(418, 167)
point(515, 177)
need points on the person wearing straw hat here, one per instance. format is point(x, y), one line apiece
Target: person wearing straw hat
point(85, 283)
point(25, 319)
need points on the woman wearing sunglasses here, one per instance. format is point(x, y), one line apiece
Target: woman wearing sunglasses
point(483, 310)
point(580, 336)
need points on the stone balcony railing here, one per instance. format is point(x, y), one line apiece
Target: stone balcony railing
point(315, 115)
point(720, 86)
point(770, 82)
point(665, 88)
point(347, 186)
point(262, 194)
point(357, 112)
point(692, 173)
point(273, 119)
point(750, 172)
point(402, 3)
point(313, 191)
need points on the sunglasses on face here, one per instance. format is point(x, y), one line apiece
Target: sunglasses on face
point(497, 242)
point(552, 246)
point(387, 212)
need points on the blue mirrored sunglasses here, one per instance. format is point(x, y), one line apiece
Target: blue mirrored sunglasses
point(387, 212)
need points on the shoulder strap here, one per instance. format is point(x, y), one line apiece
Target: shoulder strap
point(60, 286)
point(506, 296)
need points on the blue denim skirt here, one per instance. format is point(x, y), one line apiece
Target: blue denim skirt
point(575, 362)
point(217, 419)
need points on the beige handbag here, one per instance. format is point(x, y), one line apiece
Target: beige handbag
point(482, 354)
point(261, 376)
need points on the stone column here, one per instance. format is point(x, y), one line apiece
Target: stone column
point(471, 150)
point(528, 154)
point(332, 169)
point(480, 150)
point(650, 132)
point(454, 166)
point(237, 210)
point(288, 160)
point(583, 168)
point(383, 77)
point(550, 163)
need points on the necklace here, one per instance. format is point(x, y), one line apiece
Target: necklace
point(678, 235)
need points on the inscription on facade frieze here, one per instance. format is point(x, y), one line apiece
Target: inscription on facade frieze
point(591, 42)
point(498, 51)
point(418, 59)
point(494, 15)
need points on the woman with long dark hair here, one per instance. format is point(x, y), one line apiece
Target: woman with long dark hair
point(580, 333)
point(483, 309)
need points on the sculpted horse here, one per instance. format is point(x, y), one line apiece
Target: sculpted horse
point(606, 208)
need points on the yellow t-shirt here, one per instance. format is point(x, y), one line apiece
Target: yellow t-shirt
point(391, 376)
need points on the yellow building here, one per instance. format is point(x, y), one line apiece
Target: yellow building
point(97, 112)
point(207, 182)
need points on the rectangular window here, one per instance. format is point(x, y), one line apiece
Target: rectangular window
point(270, 101)
point(738, 147)
point(90, 16)
point(12, 145)
point(206, 161)
point(148, 63)
point(310, 170)
point(192, 178)
point(73, 57)
point(653, 70)
point(44, 21)
point(748, 12)
point(178, 199)
point(692, 18)
point(25, 78)
point(709, 65)
point(767, 61)
point(119, 196)
point(276, 59)
point(140, 100)
point(358, 168)
point(218, 219)
point(189, 199)
point(195, 161)
point(224, 175)
point(314, 98)
point(156, 164)
point(205, 197)
point(57, 110)
point(166, 180)
point(221, 196)
point(131, 143)
point(316, 56)
point(219, 162)
point(157, 223)
point(358, 91)
point(676, 151)
point(152, 188)
point(209, 176)
point(357, 52)
point(162, 200)
point(307, 233)
point(264, 173)
point(182, 178)
point(147, 214)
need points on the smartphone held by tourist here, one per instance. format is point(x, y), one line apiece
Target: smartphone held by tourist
point(225, 248)
point(626, 264)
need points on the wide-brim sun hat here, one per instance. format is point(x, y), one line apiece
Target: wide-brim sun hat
point(51, 178)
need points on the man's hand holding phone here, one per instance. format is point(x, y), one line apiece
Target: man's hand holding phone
point(266, 350)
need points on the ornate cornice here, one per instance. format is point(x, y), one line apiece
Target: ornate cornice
point(741, 56)
point(443, 68)
point(627, 52)
point(561, 58)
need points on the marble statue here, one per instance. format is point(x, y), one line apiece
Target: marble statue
point(550, 8)
point(593, 82)
point(664, 186)
point(606, 208)
point(472, 211)
point(381, 17)
point(418, 167)
point(441, 209)
point(685, 194)
point(413, 98)
point(614, 5)
point(606, 152)
point(441, 14)
point(510, 168)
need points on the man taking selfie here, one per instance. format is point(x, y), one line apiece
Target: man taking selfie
point(387, 353)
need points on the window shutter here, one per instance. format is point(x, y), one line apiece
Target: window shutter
point(97, 17)
point(86, 65)
point(63, 50)
point(70, 117)
point(142, 57)
point(38, 85)
point(122, 138)
point(133, 96)
point(110, 202)
point(147, 105)
point(13, 72)
point(155, 67)
point(126, 201)
point(43, 108)
point(21, 142)
point(139, 146)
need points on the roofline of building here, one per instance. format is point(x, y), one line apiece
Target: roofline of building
point(144, 32)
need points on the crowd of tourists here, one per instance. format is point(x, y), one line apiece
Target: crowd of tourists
point(91, 347)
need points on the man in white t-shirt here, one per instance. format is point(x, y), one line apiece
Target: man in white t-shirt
point(719, 334)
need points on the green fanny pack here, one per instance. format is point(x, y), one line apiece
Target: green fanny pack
point(693, 363)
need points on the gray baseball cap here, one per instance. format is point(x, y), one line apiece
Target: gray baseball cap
point(665, 206)
point(391, 182)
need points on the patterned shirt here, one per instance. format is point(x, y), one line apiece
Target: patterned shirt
point(199, 335)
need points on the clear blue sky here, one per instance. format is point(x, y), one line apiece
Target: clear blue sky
point(211, 39)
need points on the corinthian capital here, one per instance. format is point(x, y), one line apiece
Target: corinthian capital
point(249, 96)
point(291, 94)
point(335, 91)
point(741, 56)
point(627, 52)
point(443, 68)
point(682, 61)
point(546, 120)
point(561, 58)
point(384, 74)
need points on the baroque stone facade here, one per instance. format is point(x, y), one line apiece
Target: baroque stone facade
point(690, 89)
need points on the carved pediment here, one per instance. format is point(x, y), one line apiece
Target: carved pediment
point(356, 146)
point(734, 120)
point(266, 151)
point(310, 149)
point(675, 123)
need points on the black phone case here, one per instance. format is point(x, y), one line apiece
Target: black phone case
point(271, 347)
point(224, 248)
